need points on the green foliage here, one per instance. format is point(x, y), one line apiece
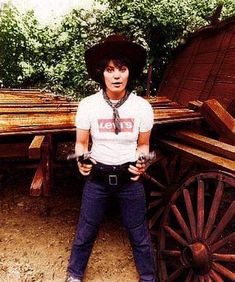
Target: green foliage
point(66, 70)
point(53, 57)
point(160, 25)
point(12, 46)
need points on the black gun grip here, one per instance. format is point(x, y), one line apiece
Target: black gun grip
point(84, 159)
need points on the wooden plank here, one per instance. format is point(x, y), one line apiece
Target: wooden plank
point(179, 110)
point(37, 124)
point(23, 97)
point(37, 119)
point(195, 105)
point(158, 115)
point(174, 120)
point(38, 130)
point(199, 155)
point(36, 185)
point(208, 144)
point(35, 147)
point(157, 99)
point(39, 105)
point(34, 110)
point(32, 100)
point(219, 119)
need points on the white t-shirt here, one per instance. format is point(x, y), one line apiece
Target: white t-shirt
point(94, 114)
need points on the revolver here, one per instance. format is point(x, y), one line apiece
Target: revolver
point(85, 158)
point(146, 157)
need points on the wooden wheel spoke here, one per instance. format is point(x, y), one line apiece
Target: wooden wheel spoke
point(163, 272)
point(224, 271)
point(155, 217)
point(223, 257)
point(181, 222)
point(208, 278)
point(175, 235)
point(154, 204)
point(176, 274)
point(156, 194)
point(170, 253)
point(222, 224)
point(214, 209)
point(190, 212)
point(201, 278)
point(189, 276)
point(176, 171)
point(200, 208)
point(222, 242)
point(165, 171)
point(215, 276)
point(154, 181)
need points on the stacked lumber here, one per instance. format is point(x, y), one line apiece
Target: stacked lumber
point(33, 111)
point(167, 111)
point(37, 114)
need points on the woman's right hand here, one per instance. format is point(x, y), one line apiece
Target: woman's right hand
point(85, 169)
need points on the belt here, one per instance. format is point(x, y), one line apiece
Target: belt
point(113, 175)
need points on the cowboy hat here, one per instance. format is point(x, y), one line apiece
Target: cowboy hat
point(115, 45)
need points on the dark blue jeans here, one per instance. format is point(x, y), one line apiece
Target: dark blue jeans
point(132, 204)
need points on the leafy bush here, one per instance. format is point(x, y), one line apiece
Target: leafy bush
point(53, 56)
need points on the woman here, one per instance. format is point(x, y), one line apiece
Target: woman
point(119, 124)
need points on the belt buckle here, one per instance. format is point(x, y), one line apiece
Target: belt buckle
point(113, 180)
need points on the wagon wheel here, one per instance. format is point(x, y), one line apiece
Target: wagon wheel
point(197, 238)
point(161, 180)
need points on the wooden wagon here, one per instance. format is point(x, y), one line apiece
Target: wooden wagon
point(191, 182)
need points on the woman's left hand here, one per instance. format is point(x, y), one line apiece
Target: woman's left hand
point(137, 170)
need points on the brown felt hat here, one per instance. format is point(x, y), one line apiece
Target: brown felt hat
point(115, 45)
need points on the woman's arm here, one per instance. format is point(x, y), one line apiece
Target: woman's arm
point(142, 148)
point(82, 141)
point(81, 147)
point(143, 143)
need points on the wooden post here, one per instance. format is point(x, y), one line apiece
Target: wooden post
point(47, 162)
point(36, 185)
point(41, 148)
point(35, 147)
point(35, 152)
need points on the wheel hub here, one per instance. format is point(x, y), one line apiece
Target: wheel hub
point(197, 255)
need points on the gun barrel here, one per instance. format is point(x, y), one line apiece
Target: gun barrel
point(72, 156)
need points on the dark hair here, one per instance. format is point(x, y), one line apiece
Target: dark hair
point(119, 61)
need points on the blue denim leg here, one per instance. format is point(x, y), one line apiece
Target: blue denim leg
point(93, 206)
point(133, 209)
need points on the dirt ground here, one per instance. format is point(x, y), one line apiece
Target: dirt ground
point(36, 234)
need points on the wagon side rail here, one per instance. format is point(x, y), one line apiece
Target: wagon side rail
point(218, 152)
